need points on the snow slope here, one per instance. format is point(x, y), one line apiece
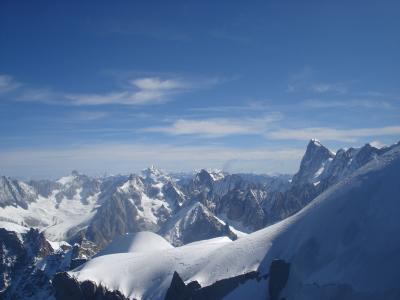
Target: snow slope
point(59, 220)
point(345, 241)
point(13, 227)
point(145, 241)
point(147, 275)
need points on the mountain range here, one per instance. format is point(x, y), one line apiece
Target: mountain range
point(207, 234)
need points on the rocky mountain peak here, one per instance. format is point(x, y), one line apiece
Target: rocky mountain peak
point(313, 162)
point(204, 177)
point(315, 145)
point(152, 170)
point(15, 193)
point(75, 173)
point(154, 174)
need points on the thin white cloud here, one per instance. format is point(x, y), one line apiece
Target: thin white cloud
point(7, 83)
point(138, 91)
point(126, 158)
point(217, 127)
point(339, 88)
point(250, 106)
point(306, 81)
point(40, 95)
point(89, 115)
point(366, 103)
point(298, 80)
point(346, 135)
point(148, 90)
point(157, 84)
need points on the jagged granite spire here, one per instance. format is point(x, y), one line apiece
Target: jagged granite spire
point(313, 162)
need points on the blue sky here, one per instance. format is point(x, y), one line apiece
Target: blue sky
point(114, 87)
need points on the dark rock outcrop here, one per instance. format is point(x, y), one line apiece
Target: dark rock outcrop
point(67, 287)
point(15, 193)
point(178, 289)
point(195, 223)
point(115, 217)
point(278, 277)
point(19, 253)
point(218, 290)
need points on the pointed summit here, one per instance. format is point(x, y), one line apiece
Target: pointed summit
point(152, 171)
point(155, 175)
point(75, 173)
point(313, 162)
point(204, 177)
point(315, 142)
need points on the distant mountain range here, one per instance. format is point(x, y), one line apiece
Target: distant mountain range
point(41, 219)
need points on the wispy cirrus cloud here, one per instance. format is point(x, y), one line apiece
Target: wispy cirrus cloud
point(254, 106)
point(138, 91)
point(268, 128)
point(298, 80)
point(90, 115)
point(339, 88)
point(143, 91)
point(333, 134)
point(305, 81)
point(217, 127)
point(365, 103)
point(8, 83)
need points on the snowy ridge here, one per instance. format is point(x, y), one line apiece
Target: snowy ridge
point(140, 242)
point(14, 227)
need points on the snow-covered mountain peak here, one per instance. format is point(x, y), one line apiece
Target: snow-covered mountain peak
point(74, 175)
point(216, 174)
point(152, 171)
point(316, 145)
point(134, 183)
point(155, 175)
point(316, 142)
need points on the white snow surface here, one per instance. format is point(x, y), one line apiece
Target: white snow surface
point(13, 227)
point(141, 242)
point(348, 234)
point(58, 245)
point(57, 220)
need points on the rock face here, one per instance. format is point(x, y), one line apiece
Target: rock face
point(178, 290)
point(19, 253)
point(319, 169)
point(313, 163)
point(115, 217)
point(67, 288)
point(15, 193)
point(235, 198)
point(243, 206)
point(193, 224)
point(278, 277)
point(28, 263)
